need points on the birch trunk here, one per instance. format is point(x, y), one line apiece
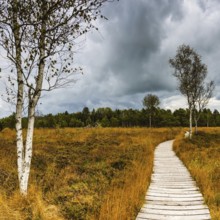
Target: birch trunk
point(20, 92)
point(196, 126)
point(33, 100)
point(19, 136)
point(207, 121)
point(190, 122)
point(28, 151)
point(196, 119)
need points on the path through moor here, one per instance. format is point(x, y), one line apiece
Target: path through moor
point(172, 194)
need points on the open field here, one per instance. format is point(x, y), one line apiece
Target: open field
point(80, 173)
point(201, 155)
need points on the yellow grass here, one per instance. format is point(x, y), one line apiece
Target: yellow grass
point(123, 202)
point(81, 173)
point(202, 157)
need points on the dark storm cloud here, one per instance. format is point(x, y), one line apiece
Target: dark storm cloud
point(135, 37)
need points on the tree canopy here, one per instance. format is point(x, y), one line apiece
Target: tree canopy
point(151, 102)
point(106, 117)
point(191, 74)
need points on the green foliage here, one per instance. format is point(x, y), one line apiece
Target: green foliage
point(106, 117)
point(8, 122)
point(151, 102)
point(74, 122)
point(105, 122)
point(189, 71)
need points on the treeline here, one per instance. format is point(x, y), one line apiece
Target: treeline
point(106, 117)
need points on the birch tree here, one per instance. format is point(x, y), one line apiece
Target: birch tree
point(39, 40)
point(205, 92)
point(190, 73)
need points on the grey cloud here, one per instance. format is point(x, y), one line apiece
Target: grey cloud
point(132, 38)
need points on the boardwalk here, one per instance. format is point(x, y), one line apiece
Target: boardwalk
point(172, 193)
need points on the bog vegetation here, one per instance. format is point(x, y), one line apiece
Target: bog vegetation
point(80, 173)
point(201, 156)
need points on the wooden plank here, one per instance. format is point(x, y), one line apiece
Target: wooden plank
point(172, 182)
point(175, 212)
point(173, 192)
point(173, 207)
point(170, 174)
point(163, 167)
point(171, 166)
point(162, 182)
point(179, 195)
point(173, 185)
point(168, 189)
point(170, 217)
point(154, 198)
point(173, 179)
point(173, 172)
point(156, 181)
point(175, 203)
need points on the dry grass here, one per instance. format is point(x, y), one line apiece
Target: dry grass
point(202, 157)
point(80, 173)
point(15, 207)
point(123, 201)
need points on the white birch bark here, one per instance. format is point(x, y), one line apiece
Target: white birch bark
point(33, 100)
point(196, 119)
point(190, 122)
point(19, 141)
point(196, 126)
point(20, 99)
point(28, 152)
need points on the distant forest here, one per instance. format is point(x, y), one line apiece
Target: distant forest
point(106, 117)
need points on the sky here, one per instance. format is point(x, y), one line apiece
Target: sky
point(127, 58)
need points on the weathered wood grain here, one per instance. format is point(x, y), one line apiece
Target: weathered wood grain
point(172, 194)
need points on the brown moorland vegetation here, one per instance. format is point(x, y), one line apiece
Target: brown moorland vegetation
point(201, 155)
point(80, 173)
